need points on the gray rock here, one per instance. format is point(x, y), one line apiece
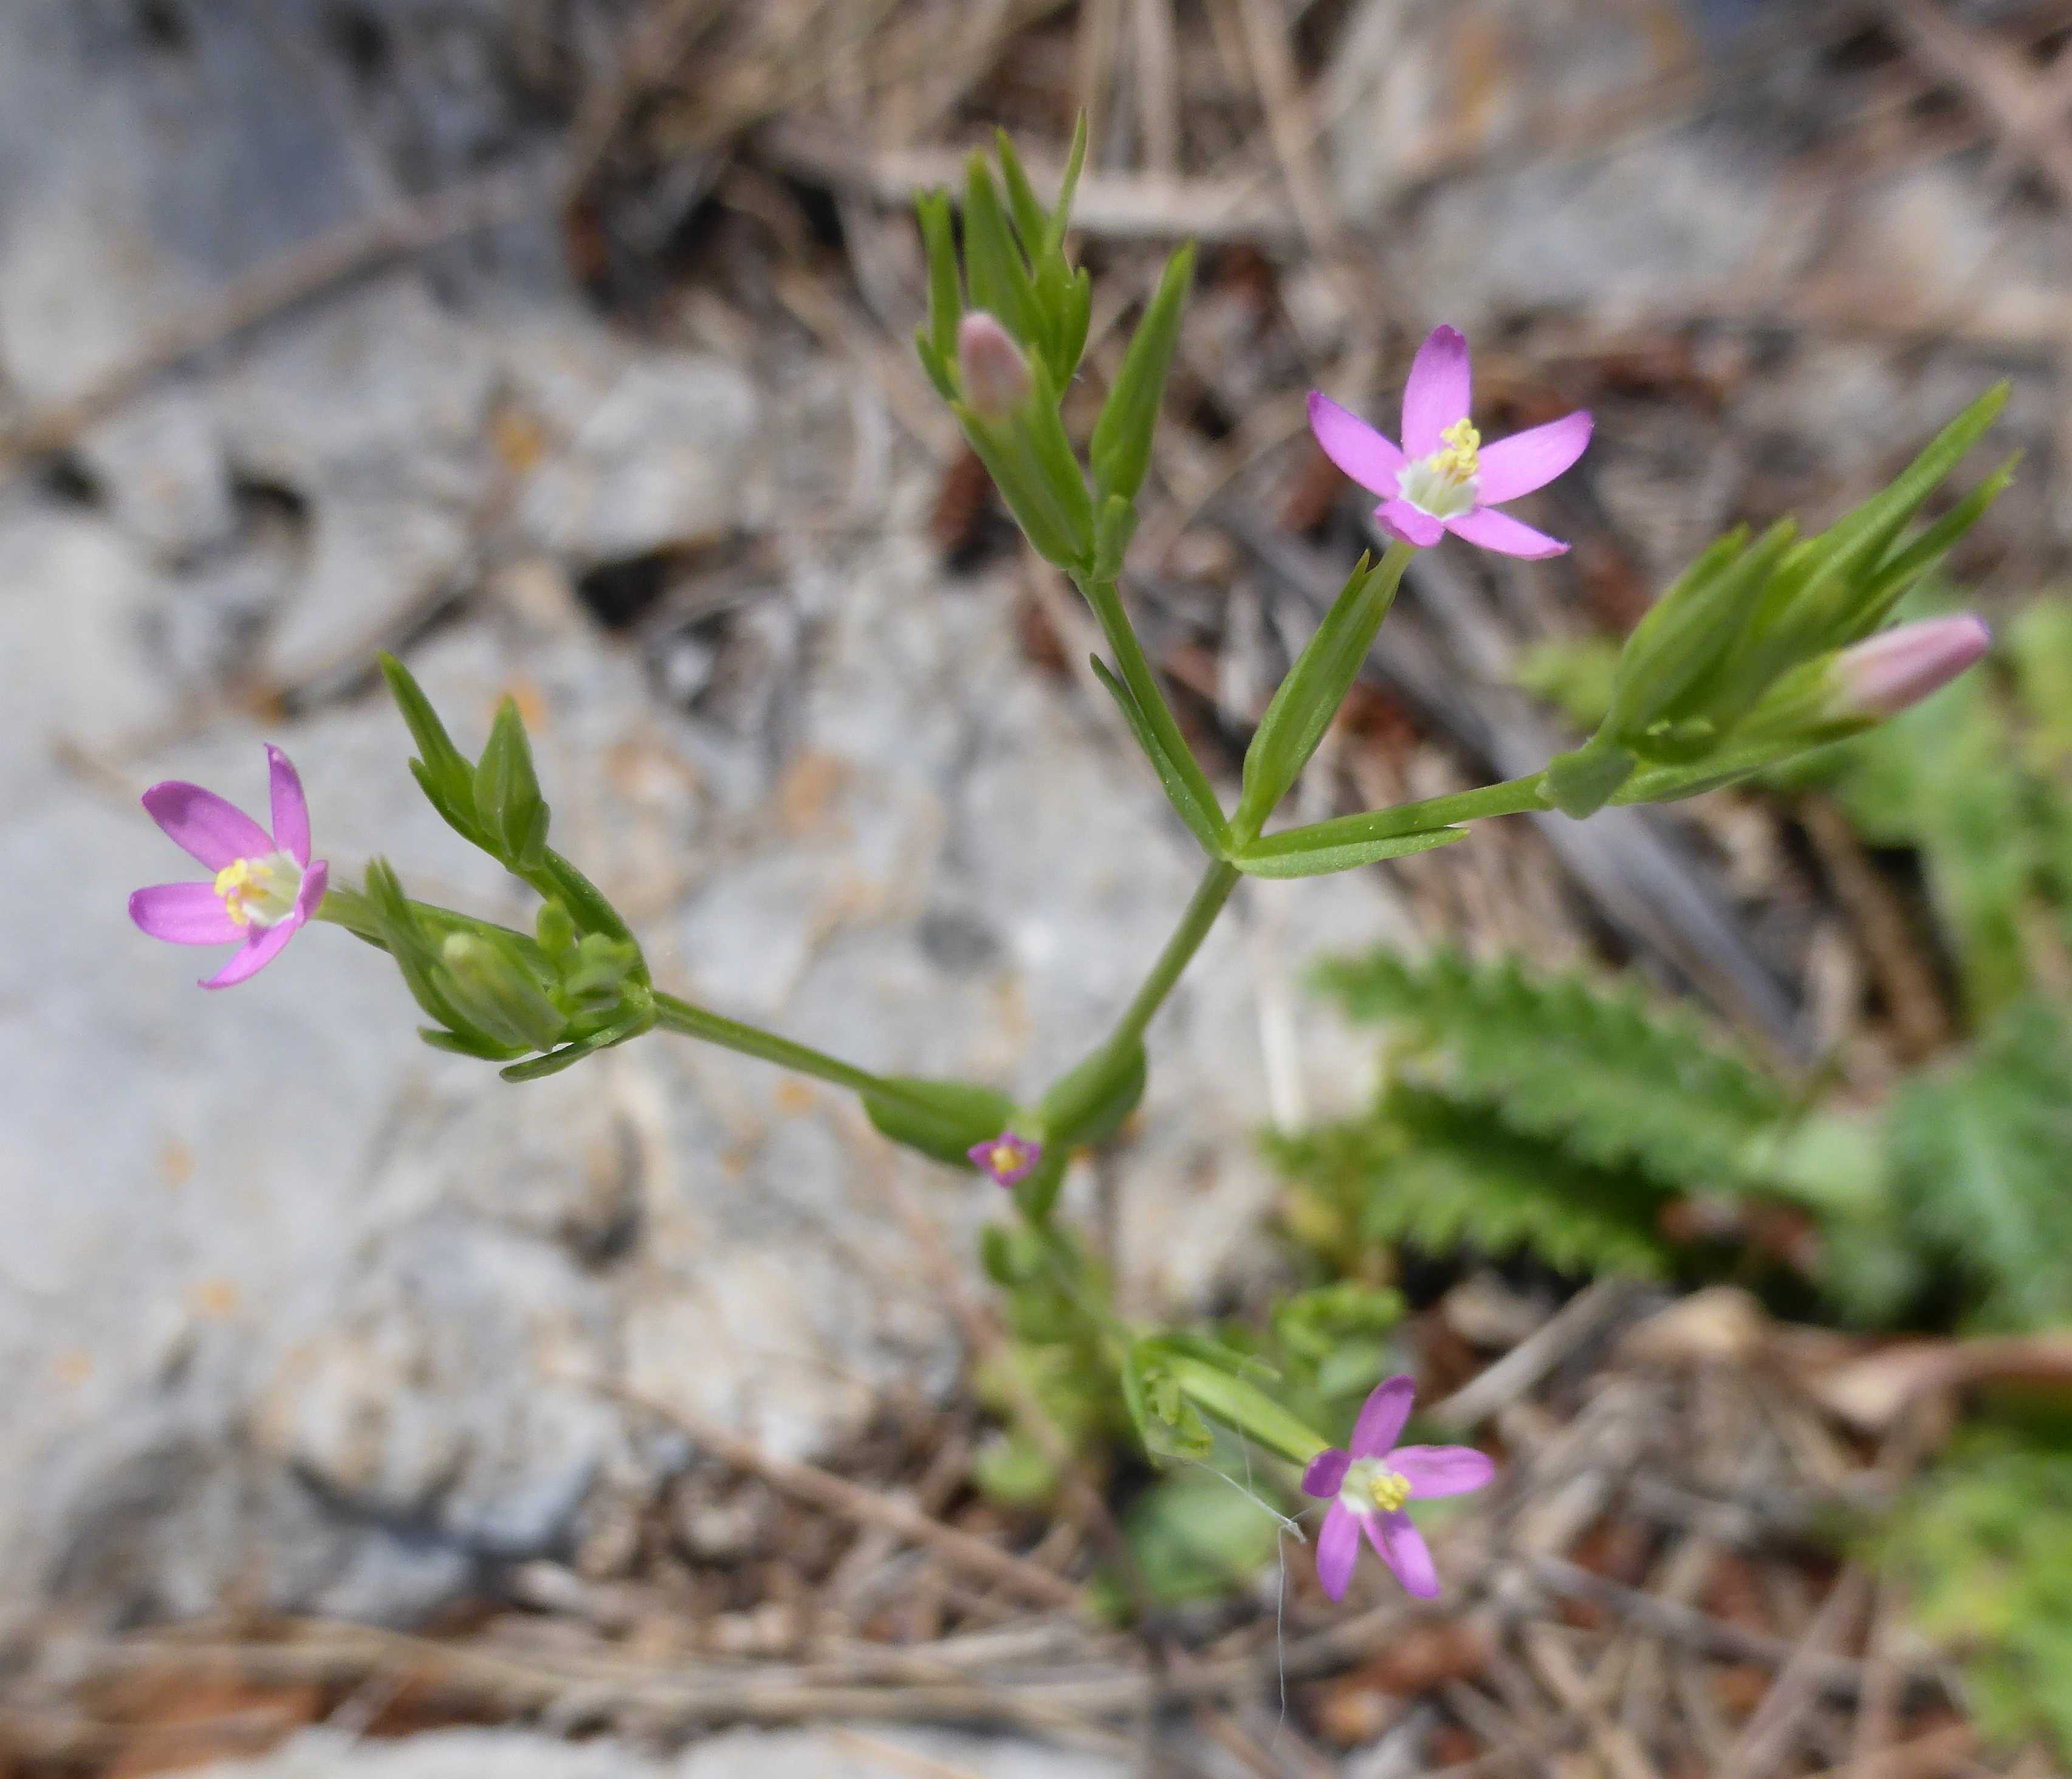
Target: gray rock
point(737, 1754)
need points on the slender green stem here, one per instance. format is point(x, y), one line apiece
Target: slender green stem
point(1210, 894)
point(675, 1015)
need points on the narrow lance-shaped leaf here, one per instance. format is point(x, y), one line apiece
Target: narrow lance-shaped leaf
point(1304, 704)
point(993, 270)
point(507, 792)
point(1121, 446)
point(937, 340)
point(442, 770)
point(1291, 859)
point(1204, 824)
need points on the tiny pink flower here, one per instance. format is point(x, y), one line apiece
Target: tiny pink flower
point(1443, 478)
point(1882, 675)
point(265, 885)
point(1007, 1158)
point(1368, 1481)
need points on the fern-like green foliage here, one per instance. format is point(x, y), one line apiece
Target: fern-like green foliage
point(1615, 1083)
point(1554, 1116)
point(1980, 1544)
point(1982, 1163)
point(1438, 1175)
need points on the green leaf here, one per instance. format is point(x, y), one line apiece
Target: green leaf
point(1031, 223)
point(1061, 214)
point(1244, 1408)
point(941, 1118)
point(1579, 784)
point(507, 793)
point(1308, 699)
point(442, 772)
point(1205, 825)
point(1981, 1153)
point(1121, 446)
point(1279, 856)
point(1088, 1103)
point(937, 340)
point(569, 1054)
point(993, 270)
point(1196, 1537)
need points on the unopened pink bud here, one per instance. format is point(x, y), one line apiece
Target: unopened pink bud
point(1883, 675)
point(994, 373)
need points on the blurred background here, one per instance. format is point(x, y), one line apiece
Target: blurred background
point(1710, 1163)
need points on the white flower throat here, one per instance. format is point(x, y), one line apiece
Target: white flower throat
point(1443, 485)
point(1372, 1487)
point(261, 892)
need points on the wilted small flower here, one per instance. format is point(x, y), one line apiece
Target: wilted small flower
point(265, 885)
point(1883, 675)
point(1007, 1158)
point(1371, 1478)
point(990, 365)
point(1443, 478)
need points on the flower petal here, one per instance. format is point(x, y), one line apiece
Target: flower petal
point(1441, 1469)
point(1327, 1470)
point(1338, 1549)
point(184, 914)
point(291, 809)
point(1363, 453)
point(1531, 459)
point(1507, 536)
point(314, 881)
point(212, 831)
point(1404, 1549)
point(1437, 392)
point(1411, 525)
point(1382, 1416)
point(258, 951)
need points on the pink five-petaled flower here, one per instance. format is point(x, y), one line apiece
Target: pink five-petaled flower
point(1367, 1483)
point(1007, 1158)
point(264, 887)
point(1443, 478)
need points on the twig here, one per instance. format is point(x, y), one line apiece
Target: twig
point(1765, 1739)
point(823, 1489)
point(1700, 1631)
point(1533, 1357)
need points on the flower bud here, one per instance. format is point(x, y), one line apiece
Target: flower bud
point(497, 995)
point(1884, 674)
point(994, 373)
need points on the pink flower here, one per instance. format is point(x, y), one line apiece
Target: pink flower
point(1007, 1158)
point(1443, 478)
point(264, 887)
point(1370, 1480)
point(1882, 675)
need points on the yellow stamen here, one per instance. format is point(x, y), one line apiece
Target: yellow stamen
point(259, 891)
point(1461, 459)
point(1389, 1490)
point(1004, 1158)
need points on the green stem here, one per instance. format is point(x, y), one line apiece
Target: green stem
point(675, 1015)
point(1210, 894)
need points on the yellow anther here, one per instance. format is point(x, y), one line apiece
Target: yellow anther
point(1389, 1490)
point(1462, 457)
point(260, 889)
point(1004, 1158)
